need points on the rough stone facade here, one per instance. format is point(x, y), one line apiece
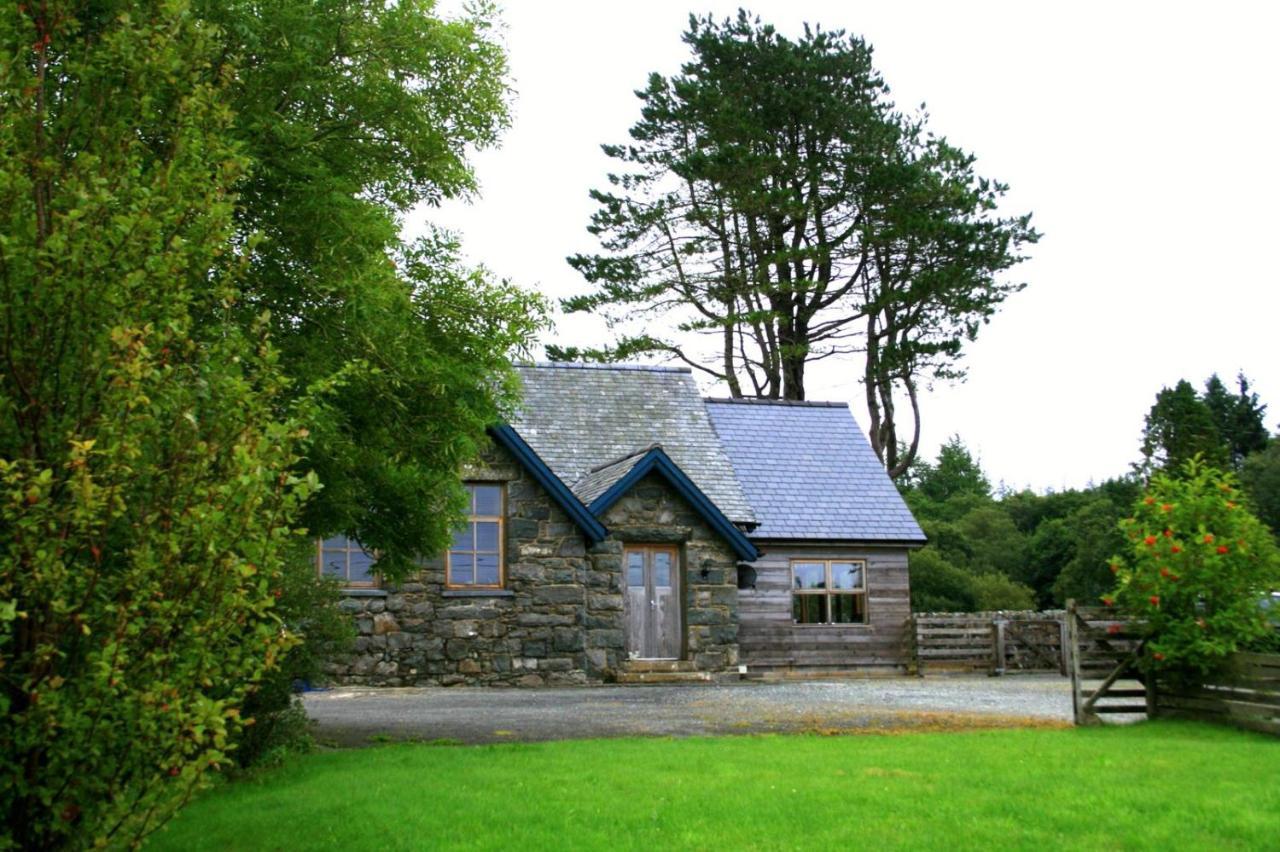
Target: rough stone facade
point(560, 618)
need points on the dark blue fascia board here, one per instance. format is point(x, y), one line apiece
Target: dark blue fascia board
point(510, 440)
point(657, 460)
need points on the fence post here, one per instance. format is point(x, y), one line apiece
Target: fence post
point(1072, 648)
point(1064, 660)
point(913, 645)
point(998, 625)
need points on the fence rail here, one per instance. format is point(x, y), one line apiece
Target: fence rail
point(995, 642)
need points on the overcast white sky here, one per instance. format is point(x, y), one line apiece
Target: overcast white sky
point(1143, 136)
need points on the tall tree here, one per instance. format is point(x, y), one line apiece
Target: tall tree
point(1260, 476)
point(1239, 418)
point(1179, 427)
point(955, 473)
point(773, 200)
point(351, 113)
point(145, 495)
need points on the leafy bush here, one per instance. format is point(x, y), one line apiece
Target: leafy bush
point(1198, 566)
point(145, 504)
point(308, 606)
point(996, 591)
point(939, 586)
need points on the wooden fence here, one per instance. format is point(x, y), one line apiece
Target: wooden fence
point(995, 642)
point(1246, 694)
point(1105, 679)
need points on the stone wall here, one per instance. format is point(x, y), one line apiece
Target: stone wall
point(560, 619)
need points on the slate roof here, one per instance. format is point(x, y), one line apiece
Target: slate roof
point(602, 477)
point(579, 416)
point(810, 473)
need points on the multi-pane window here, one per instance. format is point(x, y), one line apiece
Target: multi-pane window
point(829, 591)
point(475, 557)
point(345, 559)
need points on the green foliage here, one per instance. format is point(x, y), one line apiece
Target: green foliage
point(1239, 418)
point(352, 113)
point(939, 586)
point(1179, 427)
point(1260, 477)
point(773, 203)
point(998, 592)
point(1198, 565)
point(145, 504)
point(1096, 535)
point(308, 607)
point(956, 472)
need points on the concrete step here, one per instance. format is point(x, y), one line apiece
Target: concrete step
point(664, 677)
point(657, 666)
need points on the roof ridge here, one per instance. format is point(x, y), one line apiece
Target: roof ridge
point(639, 452)
point(799, 403)
point(580, 365)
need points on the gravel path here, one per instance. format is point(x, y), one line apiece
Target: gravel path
point(356, 716)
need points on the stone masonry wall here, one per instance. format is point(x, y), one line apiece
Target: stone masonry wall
point(528, 634)
point(560, 619)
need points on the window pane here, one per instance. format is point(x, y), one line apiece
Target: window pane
point(810, 575)
point(661, 569)
point(487, 536)
point(809, 609)
point(337, 542)
point(487, 569)
point(462, 539)
point(635, 569)
point(848, 609)
point(488, 499)
point(462, 569)
point(361, 563)
point(334, 565)
point(846, 575)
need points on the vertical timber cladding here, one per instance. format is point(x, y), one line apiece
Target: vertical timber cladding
point(770, 640)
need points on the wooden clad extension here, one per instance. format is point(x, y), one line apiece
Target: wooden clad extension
point(770, 641)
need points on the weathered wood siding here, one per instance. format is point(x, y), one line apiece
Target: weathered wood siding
point(770, 641)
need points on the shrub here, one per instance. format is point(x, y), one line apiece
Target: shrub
point(939, 586)
point(308, 607)
point(993, 591)
point(1198, 566)
point(145, 504)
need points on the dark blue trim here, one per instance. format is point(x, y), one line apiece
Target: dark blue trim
point(655, 460)
point(537, 468)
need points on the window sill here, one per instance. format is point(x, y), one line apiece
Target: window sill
point(477, 593)
point(357, 592)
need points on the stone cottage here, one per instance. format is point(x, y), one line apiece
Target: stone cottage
point(623, 528)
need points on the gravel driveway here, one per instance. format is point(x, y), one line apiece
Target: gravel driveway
point(359, 716)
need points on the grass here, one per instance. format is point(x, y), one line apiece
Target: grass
point(1149, 786)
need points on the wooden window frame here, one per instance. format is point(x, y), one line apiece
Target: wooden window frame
point(351, 545)
point(830, 592)
point(501, 519)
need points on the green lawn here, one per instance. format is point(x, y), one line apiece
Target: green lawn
point(1156, 785)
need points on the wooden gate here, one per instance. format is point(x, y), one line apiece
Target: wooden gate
point(994, 642)
point(1104, 673)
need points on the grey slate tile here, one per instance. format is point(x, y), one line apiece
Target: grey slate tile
point(809, 472)
point(577, 417)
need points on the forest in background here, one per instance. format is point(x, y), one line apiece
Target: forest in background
point(993, 548)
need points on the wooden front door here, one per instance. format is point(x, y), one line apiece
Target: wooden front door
point(653, 602)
